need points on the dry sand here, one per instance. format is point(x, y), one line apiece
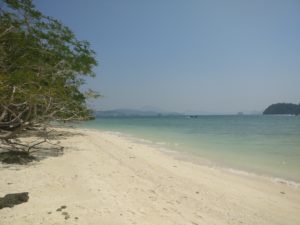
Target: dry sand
point(105, 178)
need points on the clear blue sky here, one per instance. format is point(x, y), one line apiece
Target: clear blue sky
point(208, 56)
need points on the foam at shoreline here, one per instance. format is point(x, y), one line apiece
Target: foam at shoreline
point(257, 144)
point(190, 157)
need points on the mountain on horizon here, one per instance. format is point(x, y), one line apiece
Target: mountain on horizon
point(132, 112)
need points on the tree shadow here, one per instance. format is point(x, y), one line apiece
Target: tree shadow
point(35, 146)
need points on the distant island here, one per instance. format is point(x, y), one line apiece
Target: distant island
point(282, 109)
point(132, 113)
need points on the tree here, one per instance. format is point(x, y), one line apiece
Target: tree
point(42, 67)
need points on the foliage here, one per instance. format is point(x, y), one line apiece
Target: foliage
point(283, 108)
point(42, 66)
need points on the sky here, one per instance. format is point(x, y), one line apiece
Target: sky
point(189, 56)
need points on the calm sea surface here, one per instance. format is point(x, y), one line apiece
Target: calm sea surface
point(265, 145)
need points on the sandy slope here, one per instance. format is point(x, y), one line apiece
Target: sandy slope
point(106, 179)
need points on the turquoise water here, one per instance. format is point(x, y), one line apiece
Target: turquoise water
point(265, 145)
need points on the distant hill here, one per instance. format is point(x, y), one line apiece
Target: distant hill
point(131, 113)
point(283, 108)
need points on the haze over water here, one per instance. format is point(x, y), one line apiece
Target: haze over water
point(204, 57)
point(265, 145)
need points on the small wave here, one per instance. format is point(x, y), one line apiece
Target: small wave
point(289, 183)
point(286, 182)
point(172, 147)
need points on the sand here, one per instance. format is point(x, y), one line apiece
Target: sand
point(106, 178)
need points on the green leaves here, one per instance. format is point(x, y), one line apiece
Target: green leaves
point(41, 67)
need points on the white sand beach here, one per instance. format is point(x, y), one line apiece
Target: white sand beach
point(105, 178)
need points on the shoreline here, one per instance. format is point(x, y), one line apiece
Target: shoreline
point(195, 159)
point(105, 178)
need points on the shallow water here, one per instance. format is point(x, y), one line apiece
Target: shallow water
point(265, 145)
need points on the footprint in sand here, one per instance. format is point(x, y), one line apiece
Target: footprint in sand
point(61, 208)
point(133, 213)
point(152, 191)
point(66, 215)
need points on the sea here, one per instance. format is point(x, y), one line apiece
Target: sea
point(263, 145)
